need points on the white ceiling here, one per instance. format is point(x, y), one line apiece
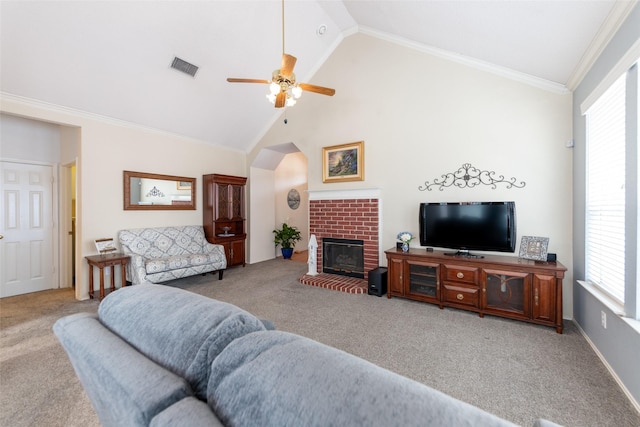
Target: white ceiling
point(112, 58)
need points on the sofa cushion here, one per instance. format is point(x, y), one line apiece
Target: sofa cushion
point(189, 412)
point(177, 329)
point(125, 387)
point(280, 379)
point(181, 261)
point(161, 242)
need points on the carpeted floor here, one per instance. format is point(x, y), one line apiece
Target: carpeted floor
point(515, 370)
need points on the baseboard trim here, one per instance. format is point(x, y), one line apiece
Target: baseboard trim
point(635, 404)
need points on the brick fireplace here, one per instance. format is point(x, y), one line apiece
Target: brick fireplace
point(346, 214)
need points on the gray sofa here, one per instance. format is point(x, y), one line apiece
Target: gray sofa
point(160, 356)
point(161, 254)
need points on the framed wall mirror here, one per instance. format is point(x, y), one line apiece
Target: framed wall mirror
point(152, 191)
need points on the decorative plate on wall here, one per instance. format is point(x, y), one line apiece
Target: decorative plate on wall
point(293, 198)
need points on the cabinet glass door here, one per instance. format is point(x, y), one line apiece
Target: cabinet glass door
point(236, 199)
point(222, 202)
point(507, 293)
point(423, 280)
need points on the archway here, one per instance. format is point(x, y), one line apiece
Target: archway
point(275, 171)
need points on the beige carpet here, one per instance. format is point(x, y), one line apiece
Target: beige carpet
point(37, 384)
point(513, 369)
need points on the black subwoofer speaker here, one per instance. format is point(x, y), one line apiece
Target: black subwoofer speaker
point(378, 281)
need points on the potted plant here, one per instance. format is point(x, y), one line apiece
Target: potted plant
point(286, 237)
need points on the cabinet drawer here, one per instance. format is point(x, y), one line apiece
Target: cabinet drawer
point(461, 294)
point(460, 274)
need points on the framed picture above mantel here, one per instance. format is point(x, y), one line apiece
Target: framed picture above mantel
point(345, 162)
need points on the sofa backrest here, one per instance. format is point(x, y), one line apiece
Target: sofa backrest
point(180, 330)
point(162, 242)
point(281, 379)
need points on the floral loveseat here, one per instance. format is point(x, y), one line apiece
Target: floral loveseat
point(167, 253)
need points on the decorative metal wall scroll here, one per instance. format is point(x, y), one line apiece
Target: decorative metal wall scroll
point(470, 176)
point(155, 192)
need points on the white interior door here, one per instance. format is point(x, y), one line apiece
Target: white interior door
point(26, 224)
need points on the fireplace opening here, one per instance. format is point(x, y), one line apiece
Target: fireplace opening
point(343, 256)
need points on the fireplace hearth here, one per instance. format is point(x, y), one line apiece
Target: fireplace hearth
point(343, 256)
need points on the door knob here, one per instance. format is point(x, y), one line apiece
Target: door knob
point(1, 237)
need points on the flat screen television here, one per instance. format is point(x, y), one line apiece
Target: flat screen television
point(482, 226)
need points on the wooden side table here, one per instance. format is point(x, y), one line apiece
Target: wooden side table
point(109, 261)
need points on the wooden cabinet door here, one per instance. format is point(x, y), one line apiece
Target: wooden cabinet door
point(229, 201)
point(544, 298)
point(236, 256)
point(234, 251)
point(236, 199)
point(223, 204)
point(395, 270)
point(422, 280)
point(506, 293)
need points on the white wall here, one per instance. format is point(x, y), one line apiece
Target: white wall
point(107, 148)
point(261, 214)
point(292, 173)
point(422, 116)
point(24, 139)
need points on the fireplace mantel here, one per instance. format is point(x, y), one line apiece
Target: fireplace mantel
point(357, 193)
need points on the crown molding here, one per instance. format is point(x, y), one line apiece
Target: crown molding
point(356, 193)
point(619, 12)
point(469, 62)
point(74, 114)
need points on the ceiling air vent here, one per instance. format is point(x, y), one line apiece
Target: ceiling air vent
point(184, 66)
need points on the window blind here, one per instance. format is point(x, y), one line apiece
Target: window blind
point(605, 220)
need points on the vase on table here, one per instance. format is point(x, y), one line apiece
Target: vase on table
point(405, 247)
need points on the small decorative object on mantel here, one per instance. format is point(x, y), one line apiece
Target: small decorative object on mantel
point(470, 176)
point(104, 246)
point(405, 237)
point(534, 248)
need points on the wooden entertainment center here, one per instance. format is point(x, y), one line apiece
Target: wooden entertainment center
point(503, 286)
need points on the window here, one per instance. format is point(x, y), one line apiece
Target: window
point(605, 198)
point(612, 207)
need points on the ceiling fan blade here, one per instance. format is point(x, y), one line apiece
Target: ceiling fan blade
point(234, 80)
point(281, 98)
point(288, 62)
point(317, 89)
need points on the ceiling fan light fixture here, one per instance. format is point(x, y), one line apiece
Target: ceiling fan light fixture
point(274, 88)
point(283, 89)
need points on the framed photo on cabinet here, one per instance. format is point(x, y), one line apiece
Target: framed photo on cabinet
point(105, 246)
point(534, 248)
point(345, 162)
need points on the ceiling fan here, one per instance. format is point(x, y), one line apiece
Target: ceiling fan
point(284, 90)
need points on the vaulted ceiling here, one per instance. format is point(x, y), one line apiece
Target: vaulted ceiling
point(112, 58)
